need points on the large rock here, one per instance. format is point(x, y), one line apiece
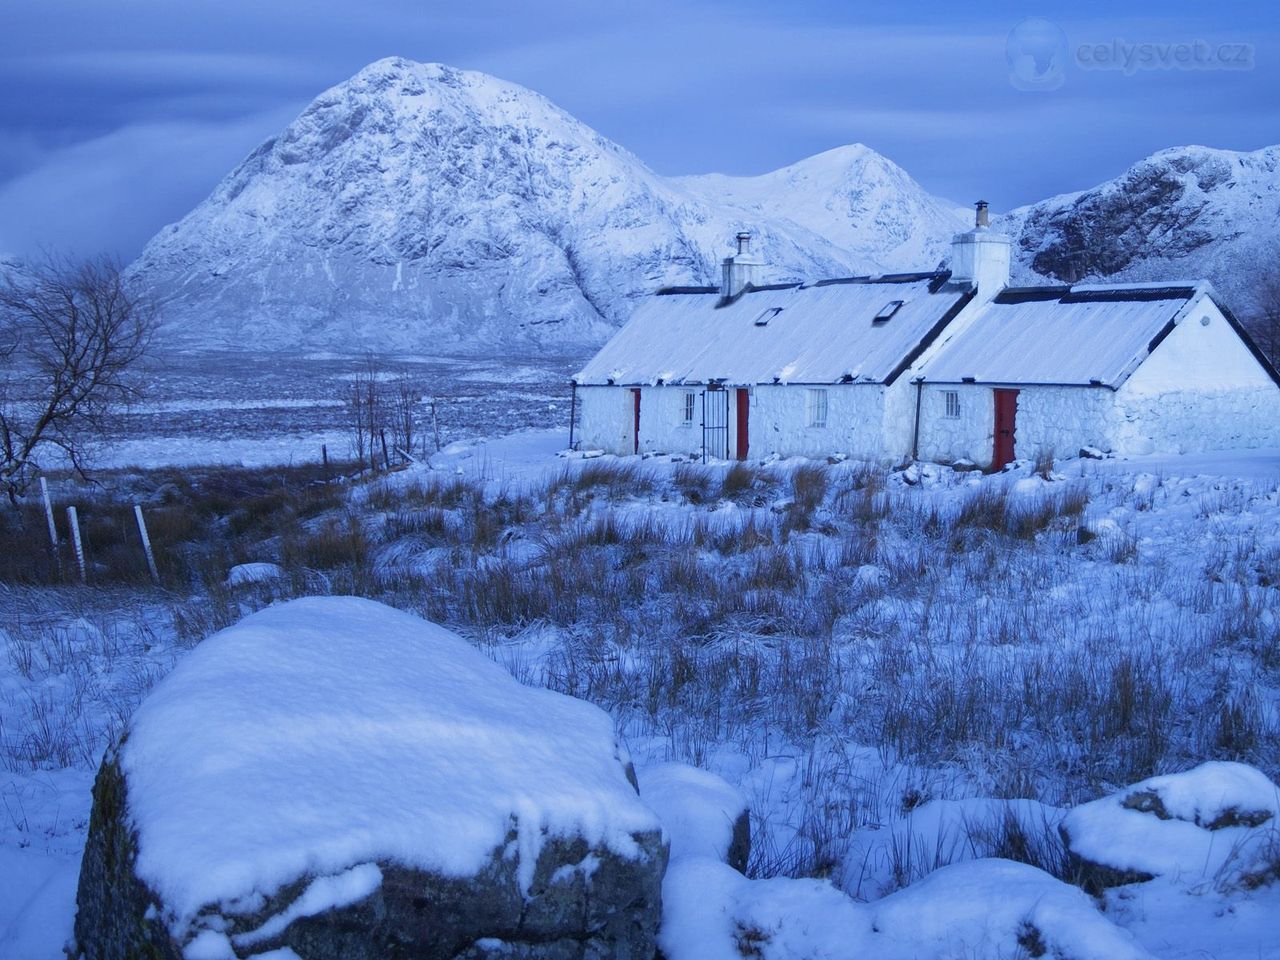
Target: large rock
point(342, 780)
point(702, 814)
point(1213, 823)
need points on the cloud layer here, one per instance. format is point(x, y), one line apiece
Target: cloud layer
point(119, 117)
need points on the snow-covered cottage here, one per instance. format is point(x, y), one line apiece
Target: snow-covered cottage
point(943, 365)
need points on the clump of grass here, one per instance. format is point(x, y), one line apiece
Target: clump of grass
point(695, 483)
point(746, 482)
point(1044, 464)
point(809, 484)
point(615, 477)
point(337, 542)
point(1035, 514)
point(984, 508)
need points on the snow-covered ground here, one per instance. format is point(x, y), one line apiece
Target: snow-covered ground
point(267, 409)
point(1173, 566)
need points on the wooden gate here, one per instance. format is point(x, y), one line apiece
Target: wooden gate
point(715, 424)
point(1006, 427)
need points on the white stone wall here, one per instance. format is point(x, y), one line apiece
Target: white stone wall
point(662, 426)
point(1057, 421)
point(1188, 421)
point(604, 419)
point(855, 422)
point(1199, 354)
point(607, 415)
point(1200, 389)
point(776, 421)
point(899, 419)
point(967, 437)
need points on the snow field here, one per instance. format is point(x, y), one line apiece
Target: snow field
point(847, 648)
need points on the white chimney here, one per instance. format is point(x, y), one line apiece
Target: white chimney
point(740, 270)
point(980, 256)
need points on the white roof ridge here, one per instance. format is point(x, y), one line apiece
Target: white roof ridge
point(1140, 285)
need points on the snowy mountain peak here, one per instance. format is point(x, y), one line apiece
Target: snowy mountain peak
point(419, 205)
point(423, 207)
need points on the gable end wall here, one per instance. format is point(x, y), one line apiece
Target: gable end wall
point(1200, 389)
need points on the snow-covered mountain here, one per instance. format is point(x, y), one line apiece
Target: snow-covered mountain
point(426, 208)
point(1183, 213)
point(852, 197)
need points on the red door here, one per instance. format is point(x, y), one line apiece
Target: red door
point(635, 433)
point(1006, 429)
point(744, 403)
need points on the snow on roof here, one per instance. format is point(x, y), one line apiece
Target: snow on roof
point(1088, 335)
point(330, 732)
point(821, 333)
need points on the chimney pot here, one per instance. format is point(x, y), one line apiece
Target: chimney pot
point(740, 270)
point(982, 219)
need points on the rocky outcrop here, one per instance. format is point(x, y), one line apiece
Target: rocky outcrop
point(1181, 214)
point(322, 822)
point(1215, 823)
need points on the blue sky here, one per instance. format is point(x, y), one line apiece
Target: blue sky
point(120, 115)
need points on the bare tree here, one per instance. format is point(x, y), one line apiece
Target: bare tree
point(405, 397)
point(364, 410)
point(71, 338)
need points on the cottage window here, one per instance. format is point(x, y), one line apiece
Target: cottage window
point(768, 315)
point(886, 312)
point(690, 401)
point(815, 408)
point(953, 404)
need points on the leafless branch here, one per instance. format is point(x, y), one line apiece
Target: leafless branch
point(71, 338)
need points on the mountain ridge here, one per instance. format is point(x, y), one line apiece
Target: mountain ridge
point(424, 207)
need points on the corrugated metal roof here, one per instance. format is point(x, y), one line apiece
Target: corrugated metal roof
point(1087, 335)
point(821, 333)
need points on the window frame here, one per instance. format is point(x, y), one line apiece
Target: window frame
point(951, 404)
point(689, 411)
point(817, 408)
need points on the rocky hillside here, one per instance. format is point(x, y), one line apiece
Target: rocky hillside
point(1183, 213)
point(427, 208)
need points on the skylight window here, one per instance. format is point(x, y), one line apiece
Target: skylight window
point(768, 315)
point(887, 311)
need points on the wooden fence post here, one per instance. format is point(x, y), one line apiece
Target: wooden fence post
point(146, 543)
point(53, 527)
point(386, 457)
point(73, 521)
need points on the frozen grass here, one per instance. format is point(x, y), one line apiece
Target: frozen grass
point(1047, 639)
point(78, 662)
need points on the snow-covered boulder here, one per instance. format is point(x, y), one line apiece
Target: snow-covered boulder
point(982, 908)
point(339, 779)
point(1216, 822)
point(247, 574)
point(703, 815)
point(997, 908)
